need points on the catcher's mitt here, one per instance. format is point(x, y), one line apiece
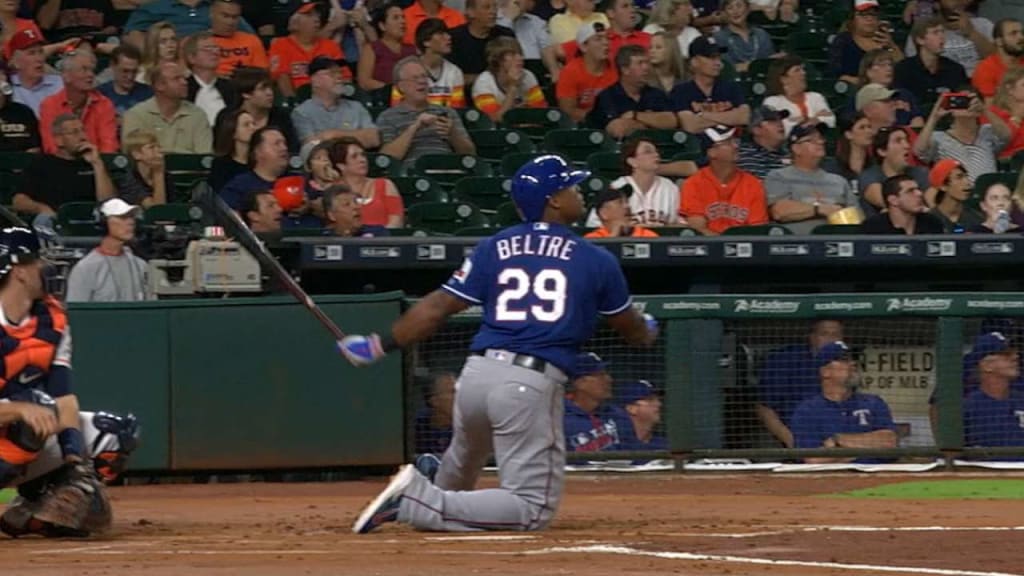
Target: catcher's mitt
point(76, 504)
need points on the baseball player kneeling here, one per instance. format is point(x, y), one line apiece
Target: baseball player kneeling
point(43, 450)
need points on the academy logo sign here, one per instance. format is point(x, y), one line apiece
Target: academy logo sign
point(843, 306)
point(923, 304)
point(754, 306)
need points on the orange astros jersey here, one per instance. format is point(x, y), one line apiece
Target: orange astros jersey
point(242, 49)
point(288, 57)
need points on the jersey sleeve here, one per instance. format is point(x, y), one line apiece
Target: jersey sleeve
point(469, 282)
point(614, 296)
point(63, 354)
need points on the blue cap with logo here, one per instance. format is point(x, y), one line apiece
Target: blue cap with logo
point(589, 363)
point(636, 390)
point(990, 343)
point(831, 352)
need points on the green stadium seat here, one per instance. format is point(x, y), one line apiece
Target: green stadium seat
point(758, 69)
point(192, 163)
point(408, 232)
point(514, 160)
point(812, 46)
point(591, 186)
point(172, 213)
point(836, 229)
point(382, 165)
point(474, 119)
point(303, 93)
point(477, 231)
point(447, 169)
point(607, 165)
point(486, 192)
point(494, 144)
point(758, 230)
point(77, 219)
point(116, 162)
point(692, 151)
point(673, 231)
point(669, 142)
point(577, 144)
point(536, 122)
point(507, 215)
point(419, 189)
point(444, 217)
point(981, 183)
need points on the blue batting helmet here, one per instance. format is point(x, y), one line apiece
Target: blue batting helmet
point(538, 180)
point(17, 246)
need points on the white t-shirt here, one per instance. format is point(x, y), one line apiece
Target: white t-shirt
point(443, 85)
point(958, 47)
point(657, 206)
point(815, 103)
point(688, 35)
point(209, 100)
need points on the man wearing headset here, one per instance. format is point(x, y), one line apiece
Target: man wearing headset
point(111, 273)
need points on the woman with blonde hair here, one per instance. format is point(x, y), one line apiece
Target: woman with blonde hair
point(674, 17)
point(161, 46)
point(667, 67)
point(506, 84)
point(1008, 104)
point(878, 67)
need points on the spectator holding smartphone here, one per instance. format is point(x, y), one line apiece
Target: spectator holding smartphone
point(968, 38)
point(864, 32)
point(967, 141)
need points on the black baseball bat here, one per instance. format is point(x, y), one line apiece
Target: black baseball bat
point(235, 228)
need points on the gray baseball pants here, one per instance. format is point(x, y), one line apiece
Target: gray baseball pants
point(516, 414)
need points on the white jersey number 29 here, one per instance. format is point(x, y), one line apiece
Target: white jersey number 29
point(548, 286)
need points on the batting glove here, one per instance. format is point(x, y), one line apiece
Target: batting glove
point(652, 325)
point(361, 350)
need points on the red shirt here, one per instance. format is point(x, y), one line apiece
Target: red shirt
point(615, 41)
point(415, 15)
point(288, 57)
point(577, 83)
point(989, 73)
point(638, 232)
point(1016, 143)
point(738, 202)
point(99, 118)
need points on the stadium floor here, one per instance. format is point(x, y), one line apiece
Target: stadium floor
point(609, 525)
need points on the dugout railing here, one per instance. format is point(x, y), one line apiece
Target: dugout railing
point(711, 364)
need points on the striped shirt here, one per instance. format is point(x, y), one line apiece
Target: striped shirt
point(759, 161)
point(978, 157)
point(488, 96)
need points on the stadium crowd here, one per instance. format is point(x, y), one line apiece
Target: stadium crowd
point(701, 115)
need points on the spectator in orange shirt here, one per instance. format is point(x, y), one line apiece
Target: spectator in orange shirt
point(236, 48)
point(621, 31)
point(1009, 105)
point(1008, 36)
point(612, 207)
point(720, 195)
point(421, 10)
point(80, 97)
point(290, 56)
point(582, 78)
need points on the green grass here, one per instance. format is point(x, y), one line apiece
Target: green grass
point(943, 490)
point(7, 495)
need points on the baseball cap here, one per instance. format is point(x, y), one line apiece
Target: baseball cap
point(637, 390)
point(862, 5)
point(118, 207)
point(589, 363)
point(715, 134)
point(706, 46)
point(831, 352)
point(23, 39)
point(804, 130)
point(988, 344)
point(290, 192)
point(306, 8)
point(322, 63)
point(608, 194)
point(938, 174)
point(873, 93)
point(766, 114)
point(587, 31)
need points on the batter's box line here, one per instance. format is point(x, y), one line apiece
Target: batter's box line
point(626, 551)
point(809, 529)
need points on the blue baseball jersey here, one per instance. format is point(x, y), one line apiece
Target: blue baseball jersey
point(992, 422)
point(817, 418)
point(788, 377)
point(541, 288)
point(607, 428)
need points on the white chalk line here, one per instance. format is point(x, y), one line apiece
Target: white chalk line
point(807, 529)
point(479, 538)
point(626, 551)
